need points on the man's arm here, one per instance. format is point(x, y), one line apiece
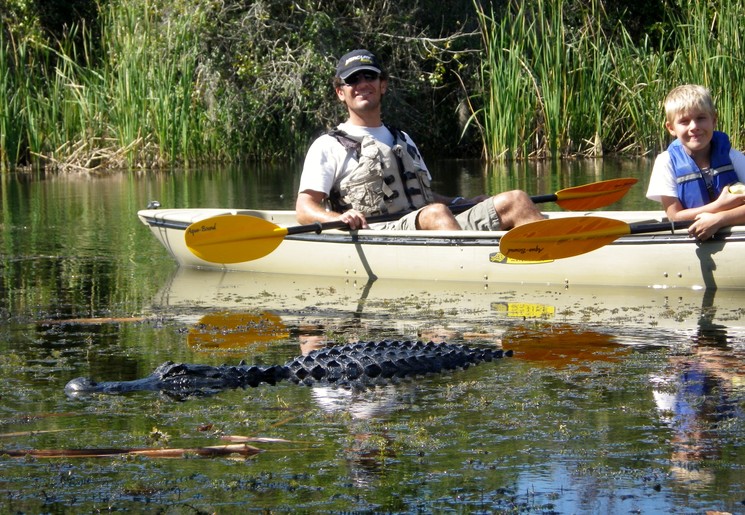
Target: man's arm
point(309, 209)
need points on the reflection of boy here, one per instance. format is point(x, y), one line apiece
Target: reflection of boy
point(694, 398)
point(690, 178)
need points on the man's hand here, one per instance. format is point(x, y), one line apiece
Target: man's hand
point(309, 209)
point(354, 219)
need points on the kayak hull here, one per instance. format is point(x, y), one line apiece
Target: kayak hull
point(663, 259)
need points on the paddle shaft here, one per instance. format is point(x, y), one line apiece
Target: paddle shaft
point(659, 227)
point(319, 227)
point(542, 199)
point(586, 196)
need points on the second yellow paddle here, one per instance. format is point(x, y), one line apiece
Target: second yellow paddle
point(559, 238)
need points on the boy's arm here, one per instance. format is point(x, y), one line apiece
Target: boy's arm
point(727, 210)
point(707, 224)
point(675, 211)
point(726, 202)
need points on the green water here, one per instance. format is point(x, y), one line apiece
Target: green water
point(615, 401)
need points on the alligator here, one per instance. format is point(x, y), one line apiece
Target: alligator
point(357, 365)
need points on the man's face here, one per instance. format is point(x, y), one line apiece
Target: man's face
point(362, 91)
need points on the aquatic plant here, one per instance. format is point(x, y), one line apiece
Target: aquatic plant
point(555, 85)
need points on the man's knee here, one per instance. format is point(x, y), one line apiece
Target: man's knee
point(513, 197)
point(515, 208)
point(436, 216)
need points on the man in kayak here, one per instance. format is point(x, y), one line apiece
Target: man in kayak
point(364, 167)
point(694, 177)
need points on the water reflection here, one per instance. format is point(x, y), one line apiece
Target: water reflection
point(699, 394)
point(246, 334)
point(412, 309)
point(548, 327)
point(570, 425)
point(563, 345)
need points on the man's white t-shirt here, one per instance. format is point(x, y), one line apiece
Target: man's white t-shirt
point(328, 162)
point(662, 181)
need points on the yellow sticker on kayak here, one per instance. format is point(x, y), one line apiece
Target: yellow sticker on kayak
point(498, 257)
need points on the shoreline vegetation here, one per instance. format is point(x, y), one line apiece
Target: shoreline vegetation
point(149, 84)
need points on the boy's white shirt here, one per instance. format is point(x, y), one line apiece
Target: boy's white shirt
point(662, 181)
point(327, 161)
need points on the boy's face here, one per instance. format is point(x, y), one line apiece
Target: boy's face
point(694, 129)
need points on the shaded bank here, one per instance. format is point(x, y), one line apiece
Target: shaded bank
point(151, 84)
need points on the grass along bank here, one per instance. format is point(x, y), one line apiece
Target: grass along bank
point(547, 89)
point(141, 100)
point(148, 86)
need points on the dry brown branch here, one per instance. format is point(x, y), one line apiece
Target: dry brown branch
point(31, 433)
point(176, 452)
point(98, 154)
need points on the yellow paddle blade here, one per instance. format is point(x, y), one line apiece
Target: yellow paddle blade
point(594, 195)
point(561, 237)
point(233, 238)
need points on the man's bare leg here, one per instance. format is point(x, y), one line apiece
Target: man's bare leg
point(436, 217)
point(515, 209)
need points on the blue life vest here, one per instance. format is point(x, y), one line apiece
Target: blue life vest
point(696, 189)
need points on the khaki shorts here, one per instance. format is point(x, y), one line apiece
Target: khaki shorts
point(481, 217)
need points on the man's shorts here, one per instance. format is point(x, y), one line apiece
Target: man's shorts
point(481, 217)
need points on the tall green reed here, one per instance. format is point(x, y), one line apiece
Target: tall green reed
point(131, 97)
point(503, 76)
point(595, 90)
point(549, 56)
point(150, 76)
point(9, 129)
point(556, 77)
point(710, 52)
point(549, 85)
point(15, 86)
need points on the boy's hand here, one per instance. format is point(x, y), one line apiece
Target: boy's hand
point(728, 200)
point(705, 226)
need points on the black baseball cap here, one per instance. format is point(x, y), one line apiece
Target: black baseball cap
point(355, 61)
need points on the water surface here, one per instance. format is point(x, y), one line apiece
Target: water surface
point(616, 400)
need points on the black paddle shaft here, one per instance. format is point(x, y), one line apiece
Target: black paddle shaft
point(659, 227)
point(319, 227)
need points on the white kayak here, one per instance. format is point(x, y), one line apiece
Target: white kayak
point(654, 253)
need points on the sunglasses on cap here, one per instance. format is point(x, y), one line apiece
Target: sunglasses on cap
point(355, 78)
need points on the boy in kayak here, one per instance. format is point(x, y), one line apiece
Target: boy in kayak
point(692, 178)
point(364, 168)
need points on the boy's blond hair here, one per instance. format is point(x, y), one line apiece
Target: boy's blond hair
point(687, 98)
